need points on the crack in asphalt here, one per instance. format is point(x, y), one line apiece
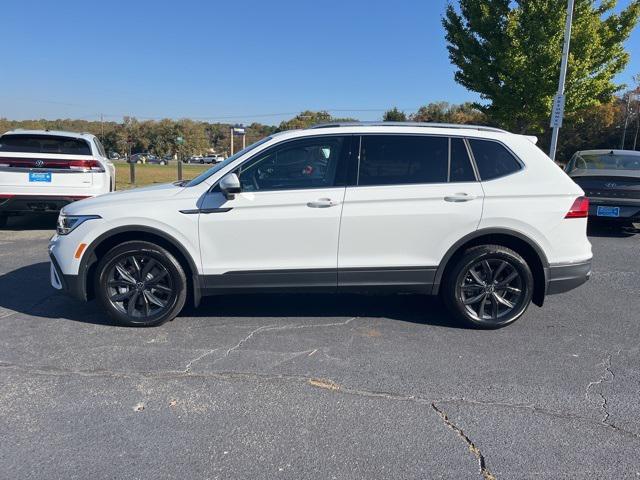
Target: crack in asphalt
point(263, 328)
point(473, 448)
point(606, 377)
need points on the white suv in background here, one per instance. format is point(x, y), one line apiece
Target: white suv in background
point(479, 216)
point(42, 170)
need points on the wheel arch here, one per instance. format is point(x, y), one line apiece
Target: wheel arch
point(523, 245)
point(103, 243)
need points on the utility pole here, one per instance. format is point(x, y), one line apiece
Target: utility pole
point(626, 120)
point(101, 128)
point(231, 141)
point(558, 102)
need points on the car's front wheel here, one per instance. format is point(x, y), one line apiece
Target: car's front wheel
point(140, 284)
point(489, 286)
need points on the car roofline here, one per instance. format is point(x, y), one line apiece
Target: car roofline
point(481, 128)
point(53, 133)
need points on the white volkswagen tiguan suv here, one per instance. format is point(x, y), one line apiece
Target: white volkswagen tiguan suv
point(479, 216)
point(42, 170)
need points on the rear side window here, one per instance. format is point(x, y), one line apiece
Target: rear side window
point(397, 160)
point(460, 169)
point(493, 160)
point(44, 144)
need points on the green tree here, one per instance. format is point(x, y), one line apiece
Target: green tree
point(394, 115)
point(444, 112)
point(309, 118)
point(509, 52)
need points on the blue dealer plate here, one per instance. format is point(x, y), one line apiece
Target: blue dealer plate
point(40, 177)
point(608, 211)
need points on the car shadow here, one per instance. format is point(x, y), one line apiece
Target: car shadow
point(28, 292)
point(610, 231)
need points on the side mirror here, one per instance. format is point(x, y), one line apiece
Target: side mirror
point(230, 185)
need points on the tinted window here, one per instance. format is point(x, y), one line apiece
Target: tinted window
point(492, 159)
point(44, 144)
point(461, 169)
point(308, 163)
point(397, 159)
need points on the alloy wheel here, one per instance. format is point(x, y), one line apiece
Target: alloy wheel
point(140, 286)
point(491, 290)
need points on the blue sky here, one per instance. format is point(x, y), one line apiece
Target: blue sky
point(228, 61)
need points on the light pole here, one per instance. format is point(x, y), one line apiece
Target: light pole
point(558, 102)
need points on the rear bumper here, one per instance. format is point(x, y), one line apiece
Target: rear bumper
point(69, 284)
point(629, 209)
point(37, 203)
point(562, 278)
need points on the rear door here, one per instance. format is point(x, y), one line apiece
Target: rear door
point(414, 197)
point(45, 164)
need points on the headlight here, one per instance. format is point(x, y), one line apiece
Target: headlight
point(67, 223)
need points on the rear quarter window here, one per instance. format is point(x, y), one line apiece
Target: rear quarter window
point(493, 159)
point(44, 144)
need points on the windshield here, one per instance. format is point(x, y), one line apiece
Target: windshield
point(219, 166)
point(606, 161)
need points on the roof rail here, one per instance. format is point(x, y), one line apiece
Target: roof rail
point(481, 128)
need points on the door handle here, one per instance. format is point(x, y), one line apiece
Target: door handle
point(459, 197)
point(322, 203)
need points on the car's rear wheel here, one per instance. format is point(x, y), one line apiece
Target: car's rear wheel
point(489, 286)
point(140, 284)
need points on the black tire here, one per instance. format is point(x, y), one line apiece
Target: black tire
point(488, 275)
point(158, 295)
point(3, 220)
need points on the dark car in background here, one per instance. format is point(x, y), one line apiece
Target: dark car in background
point(148, 158)
point(611, 181)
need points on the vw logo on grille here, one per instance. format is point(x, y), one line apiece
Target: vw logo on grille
point(39, 163)
point(611, 185)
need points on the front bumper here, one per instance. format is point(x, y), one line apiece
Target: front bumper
point(69, 284)
point(565, 277)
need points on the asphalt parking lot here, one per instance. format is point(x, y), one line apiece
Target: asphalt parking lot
point(316, 386)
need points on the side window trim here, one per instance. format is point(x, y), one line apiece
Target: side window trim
point(472, 159)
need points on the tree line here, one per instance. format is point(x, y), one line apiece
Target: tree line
point(506, 51)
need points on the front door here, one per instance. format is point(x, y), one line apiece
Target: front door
point(282, 230)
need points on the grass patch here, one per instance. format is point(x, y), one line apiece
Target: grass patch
point(152, 174)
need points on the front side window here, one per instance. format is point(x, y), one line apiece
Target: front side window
point(492, 159)
point(299, 164)
point(44, 144)
point(403, 159)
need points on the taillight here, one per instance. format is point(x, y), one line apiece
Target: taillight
point(86, 165)
point(579, 209)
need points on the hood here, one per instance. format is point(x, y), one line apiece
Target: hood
point(146, 194)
